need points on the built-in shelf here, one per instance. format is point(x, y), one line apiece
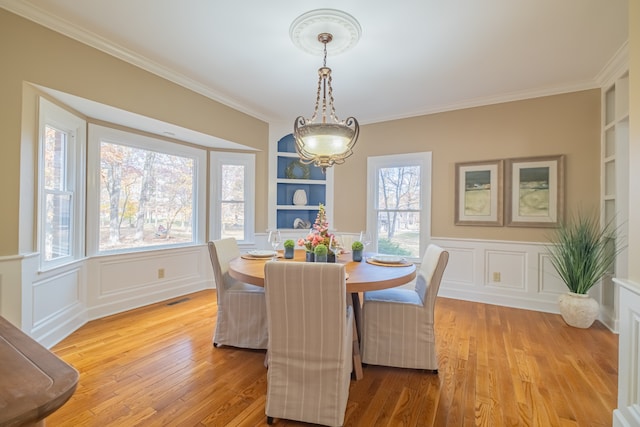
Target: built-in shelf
point(614, 183)
point(291, 176)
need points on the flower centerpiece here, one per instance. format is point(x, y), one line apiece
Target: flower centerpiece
point(319, 234)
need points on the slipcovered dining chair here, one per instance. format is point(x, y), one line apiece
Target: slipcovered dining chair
point(347, 239)
point(398, 324)
point(242, 311)
point(310, 342)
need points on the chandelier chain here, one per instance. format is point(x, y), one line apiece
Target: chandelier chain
point(333, 108)
point(324, 62)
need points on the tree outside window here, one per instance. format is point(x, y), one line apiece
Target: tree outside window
point(146, 197)
point(398, 203)
point(232, 202)
point(398, 222)
point(57, 196)
point(233, 196)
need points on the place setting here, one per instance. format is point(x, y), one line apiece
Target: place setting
point(388, 261)
point(260, 254)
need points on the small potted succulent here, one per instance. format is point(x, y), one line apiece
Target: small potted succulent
point(356, 251)
point(289, 244)
point(321, 252)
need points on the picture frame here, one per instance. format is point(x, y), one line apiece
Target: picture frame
point(534, 191)
point(479, 193)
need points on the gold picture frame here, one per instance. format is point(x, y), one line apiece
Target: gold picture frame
point(534, 191)
point(479, 193)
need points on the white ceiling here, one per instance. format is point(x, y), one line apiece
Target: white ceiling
point(414, 57)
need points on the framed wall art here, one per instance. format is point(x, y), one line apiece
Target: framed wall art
point(478, 198)
point(534, 191)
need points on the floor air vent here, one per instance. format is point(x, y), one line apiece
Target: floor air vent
point(178, 301)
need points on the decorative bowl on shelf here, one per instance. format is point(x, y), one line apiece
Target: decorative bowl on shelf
point(300, 223)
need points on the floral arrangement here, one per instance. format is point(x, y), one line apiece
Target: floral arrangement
point(319, 234)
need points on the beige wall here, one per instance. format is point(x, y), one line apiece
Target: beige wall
point(562, 124)
point(634, 141)
point(32, 53)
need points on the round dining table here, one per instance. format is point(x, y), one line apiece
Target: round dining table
point(361, 276)
point(367, 275)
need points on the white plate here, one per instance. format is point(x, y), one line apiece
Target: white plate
point(262, 254)
point(388, 259)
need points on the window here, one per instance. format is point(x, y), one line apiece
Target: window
point(398, 203)
point(61, 184)
point(232, 182)
point(146, 192)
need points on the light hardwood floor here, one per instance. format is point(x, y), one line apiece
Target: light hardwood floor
point(156, 366)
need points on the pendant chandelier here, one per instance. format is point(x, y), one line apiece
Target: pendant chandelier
point(324, 139)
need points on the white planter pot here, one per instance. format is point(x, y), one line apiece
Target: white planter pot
point(578, 310)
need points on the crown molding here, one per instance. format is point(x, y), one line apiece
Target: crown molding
point(616, 67)
point(497, 99)
point(66, 28)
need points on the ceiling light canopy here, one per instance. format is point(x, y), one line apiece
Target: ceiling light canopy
point(324, 139)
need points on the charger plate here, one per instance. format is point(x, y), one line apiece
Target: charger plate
point(403, 263)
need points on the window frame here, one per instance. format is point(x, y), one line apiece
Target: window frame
point(374, 164)
point(75, 127)
point(217, 161)
point(96, 135)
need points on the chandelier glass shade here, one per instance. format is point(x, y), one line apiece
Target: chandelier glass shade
point(323, 139)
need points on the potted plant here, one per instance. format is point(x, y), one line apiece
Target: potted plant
point(321, 252)
point(289, 244)
point(356, 251)
point(582, 252)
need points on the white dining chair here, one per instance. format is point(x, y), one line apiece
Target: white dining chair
point(398, 324)
point(347, 239)
point(242, 312)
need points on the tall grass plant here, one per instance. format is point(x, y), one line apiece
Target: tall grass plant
point(582, 251)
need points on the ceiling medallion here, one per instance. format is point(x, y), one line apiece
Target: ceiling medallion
point(344, 28)
point(328, 140)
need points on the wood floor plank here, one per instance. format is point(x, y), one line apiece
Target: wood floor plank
point(498, 366)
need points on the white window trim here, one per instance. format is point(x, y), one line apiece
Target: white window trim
point(248, 160)
point(396, 160)
point(98, 133)
point(55, 116)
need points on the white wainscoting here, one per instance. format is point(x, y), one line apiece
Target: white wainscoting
point(120, 282)
point(53, 304)
point(50, 305)
point(513, 274)
point(628, 411)
point(58, 303)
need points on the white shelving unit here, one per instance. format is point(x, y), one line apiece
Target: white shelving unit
point(615, 184)
point(290, 177)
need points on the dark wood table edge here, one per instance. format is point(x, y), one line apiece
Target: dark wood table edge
point(35, 405)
